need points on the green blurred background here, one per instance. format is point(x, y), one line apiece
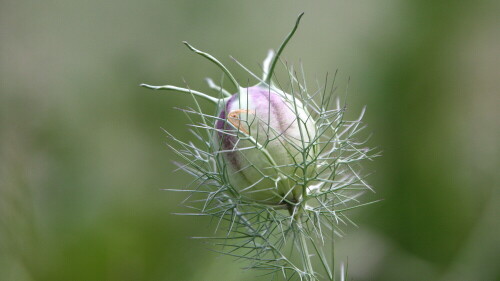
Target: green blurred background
point(82, 158)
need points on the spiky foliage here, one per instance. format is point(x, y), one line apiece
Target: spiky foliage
point(282, 237)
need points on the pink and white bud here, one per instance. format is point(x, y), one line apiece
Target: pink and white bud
point(264, 138)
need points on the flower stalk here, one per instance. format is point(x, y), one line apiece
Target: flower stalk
point(306, 256)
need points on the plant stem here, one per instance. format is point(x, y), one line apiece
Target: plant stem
point(333, 253)
point(303, 243)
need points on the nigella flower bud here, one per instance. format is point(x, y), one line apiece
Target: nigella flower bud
point(263, 152)
point(265, 139)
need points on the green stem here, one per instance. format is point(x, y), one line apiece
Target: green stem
point(333, 253)
point(305, 250)
point(323, 260)
point(269, 75)
point(217, 62)
point(183, 90)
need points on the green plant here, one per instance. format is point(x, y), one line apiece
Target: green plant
point(278, 168)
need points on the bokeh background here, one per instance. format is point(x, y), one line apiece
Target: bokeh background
point(82, 155)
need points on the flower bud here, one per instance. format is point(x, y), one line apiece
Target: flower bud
point(265, 140)
point(265, 143)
